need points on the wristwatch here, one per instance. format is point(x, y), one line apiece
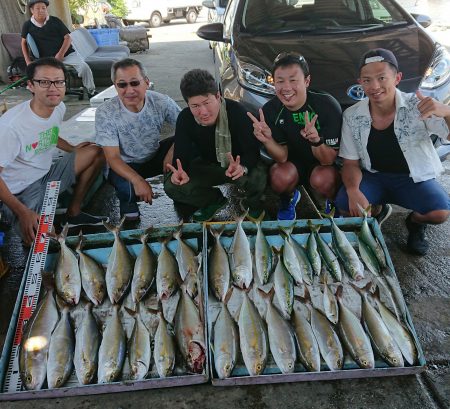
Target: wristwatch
point(245, 170)
point(318, 143)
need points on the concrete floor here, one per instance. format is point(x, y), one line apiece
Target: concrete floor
point(425, 282)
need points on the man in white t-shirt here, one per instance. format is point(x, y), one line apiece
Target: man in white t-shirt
point(29, 134)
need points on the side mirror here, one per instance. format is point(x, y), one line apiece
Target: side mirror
point(209, 4)
point(212, 32)
point(422, 19)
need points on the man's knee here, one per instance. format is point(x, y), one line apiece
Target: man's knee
point(437, 216)
point(325, 180)
point(283, 176)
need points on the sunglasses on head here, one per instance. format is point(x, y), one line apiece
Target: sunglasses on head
point(289, 55)
point(134, 83)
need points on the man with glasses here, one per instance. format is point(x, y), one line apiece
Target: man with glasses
point(214, 145)
point(300, 130)
point(52, 39)
point(128, 127)
point(29, 134)
point(387, 151)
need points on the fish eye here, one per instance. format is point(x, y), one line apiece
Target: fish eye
point(29, 378)
point(258, 367)
point(227, 367)
point(290, 365)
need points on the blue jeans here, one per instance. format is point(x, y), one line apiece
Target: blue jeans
point(154, 167)
point(400, 189)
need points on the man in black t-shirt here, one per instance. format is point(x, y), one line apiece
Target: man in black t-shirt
point(213, 145)
point(300, 130)
point(52, 39)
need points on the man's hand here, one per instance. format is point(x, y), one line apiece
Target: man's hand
point(143, 190)
point(235, 170)
point(428, 106)
point(309, 132)
point(179, 176)
point(261, 130)
point(59, 56)
point(356, 197)
point(29, 223)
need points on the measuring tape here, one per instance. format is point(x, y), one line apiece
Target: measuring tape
point(13, 382)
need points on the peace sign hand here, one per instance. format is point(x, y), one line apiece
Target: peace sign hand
point(235, 169)
point(179, 176)
point(309, 132)
point(261, 130)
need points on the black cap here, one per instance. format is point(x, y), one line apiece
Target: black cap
point(33, 2)
point(378, 55)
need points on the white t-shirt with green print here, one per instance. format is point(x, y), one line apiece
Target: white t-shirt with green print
point(26, 144)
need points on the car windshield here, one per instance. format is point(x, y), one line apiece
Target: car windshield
point(284, 16)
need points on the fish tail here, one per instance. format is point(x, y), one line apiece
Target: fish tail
point(259, 219)
point(81, 241)
point(306, 299)
point(313, 227)
point(61, 237)
point(217, 232)
point(286, 231)
point(328, 215)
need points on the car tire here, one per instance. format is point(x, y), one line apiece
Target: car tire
point(191, 16)
point(155, 20)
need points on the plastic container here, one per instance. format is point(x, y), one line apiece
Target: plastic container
point(105, 36)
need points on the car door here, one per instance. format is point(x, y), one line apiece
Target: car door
point(224, 50)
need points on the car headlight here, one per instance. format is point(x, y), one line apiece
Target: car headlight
point(255, 78)
point(439, 70)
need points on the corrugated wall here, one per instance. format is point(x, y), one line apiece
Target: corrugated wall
point(12, 17)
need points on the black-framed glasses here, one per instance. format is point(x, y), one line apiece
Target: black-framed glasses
point(133, 83)
point(47, 83)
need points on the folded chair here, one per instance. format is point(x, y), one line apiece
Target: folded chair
point(12, 44)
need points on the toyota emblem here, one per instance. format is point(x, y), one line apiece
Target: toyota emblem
point(356, 92)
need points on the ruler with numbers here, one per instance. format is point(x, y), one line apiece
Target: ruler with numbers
point(30, 297)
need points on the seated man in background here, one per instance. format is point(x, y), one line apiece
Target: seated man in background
point(300, 129)
point(29, 134)
point(128, 127)
point(214, 145)
point(52, 39)
point(387, 150)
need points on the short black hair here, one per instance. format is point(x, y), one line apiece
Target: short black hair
point(290, 58)
point(197, 82)
point(44, 61)
point(126, 63)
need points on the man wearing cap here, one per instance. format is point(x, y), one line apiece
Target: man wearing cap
point(300, 129)
point(387, 151)
point(52, 39)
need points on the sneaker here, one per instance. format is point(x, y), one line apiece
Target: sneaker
point(129, 210)
point(417, 243)
point(287, 206)
point(84, 219)
point(205, 214)
point(384, 214)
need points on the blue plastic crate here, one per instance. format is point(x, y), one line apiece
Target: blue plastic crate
point(105, 36)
